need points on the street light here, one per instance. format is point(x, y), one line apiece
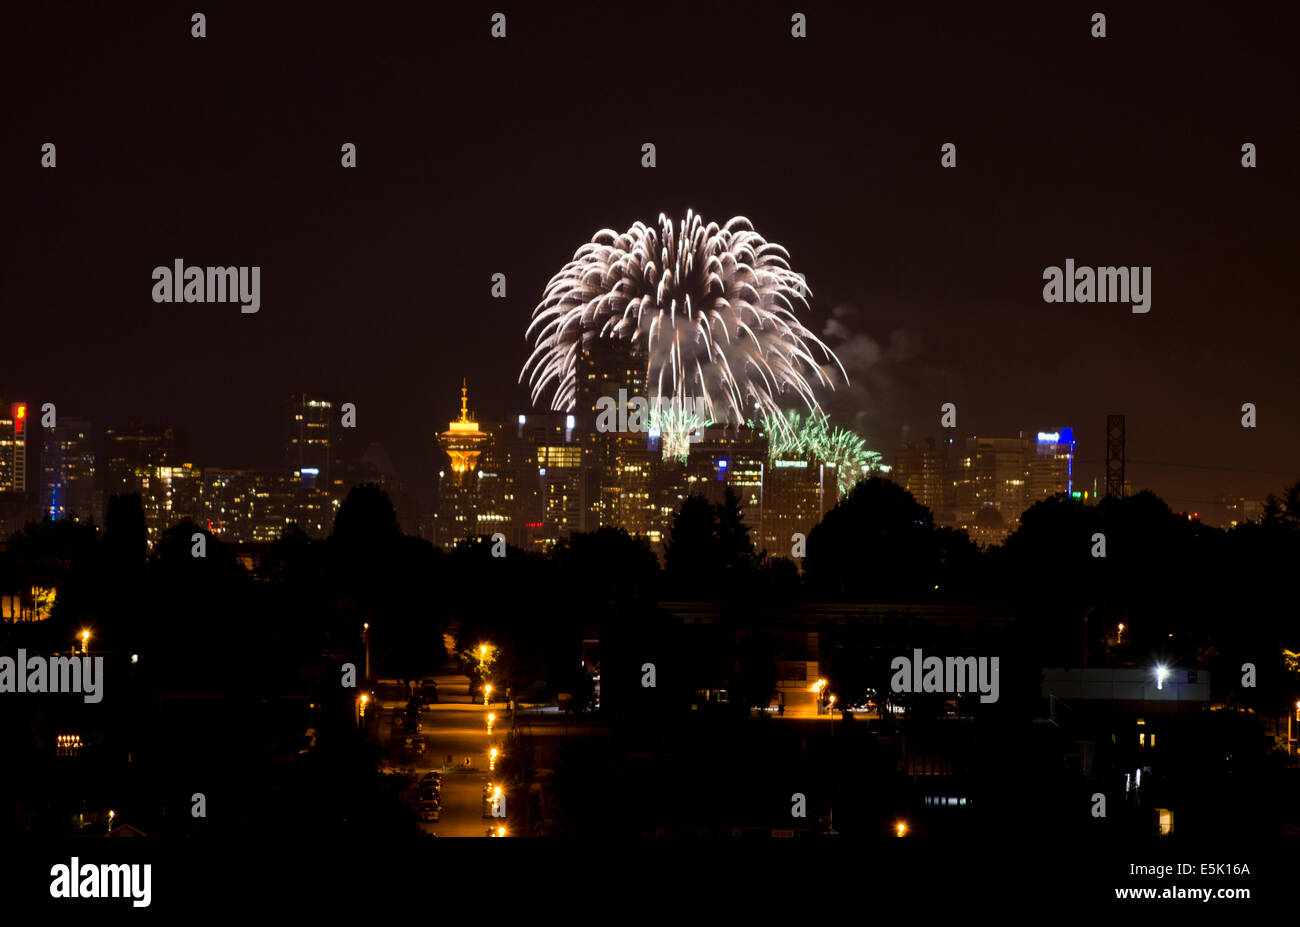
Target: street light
point(85, 639)
point(1162, 673)
point(487, 691)
point(900, 828)
point(492, 759)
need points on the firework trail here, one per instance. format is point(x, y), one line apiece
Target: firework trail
point(711, 308)
point(813, 436)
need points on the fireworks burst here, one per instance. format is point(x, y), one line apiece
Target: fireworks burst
point(813, 436)
point(712, 308)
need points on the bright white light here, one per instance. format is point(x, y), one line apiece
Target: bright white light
point(568, 421)
point(1162, 673)
point(522, 419)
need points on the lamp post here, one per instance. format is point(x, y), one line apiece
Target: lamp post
point(365, 639)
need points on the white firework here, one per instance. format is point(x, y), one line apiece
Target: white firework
point(711, 308)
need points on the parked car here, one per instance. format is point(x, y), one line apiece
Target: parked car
point(429, 812)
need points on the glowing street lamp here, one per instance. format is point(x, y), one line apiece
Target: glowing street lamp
point(1162, 673)
point(492, 759)
point(487, 691)
point(900, 828)
point(491, 717)
point(85, 639)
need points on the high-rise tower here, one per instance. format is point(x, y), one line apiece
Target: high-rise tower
point(462, 442)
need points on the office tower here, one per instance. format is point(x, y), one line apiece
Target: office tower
point(13, 447)
point(797, 493)
point(919, 468)
point(18, 505)
point(606, 366)
point(68, 488)
point(257, 505)
point(130, 451)
point(1050, 468)
point(723, 458)
point(550, 487)
point(1001, 477)
point(169, 495)
point(311, 423)
point(992, 487)
point(621, 465)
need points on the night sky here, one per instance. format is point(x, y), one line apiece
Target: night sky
point(478, 156)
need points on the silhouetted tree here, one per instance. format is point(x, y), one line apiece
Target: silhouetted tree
point(879, 544)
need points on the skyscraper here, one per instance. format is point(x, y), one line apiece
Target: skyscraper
point(551, 487)
point(797, 492)
point(68, 473)
point(1050, 469)
point(309, 431)
point(724, 458)
point(130, 451)
point(919, 468)
point(621, 467)
point(13, 447)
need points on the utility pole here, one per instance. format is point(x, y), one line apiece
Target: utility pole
point(1115, 440)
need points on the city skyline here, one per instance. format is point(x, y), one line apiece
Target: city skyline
point(921, 311)
point(653, 426)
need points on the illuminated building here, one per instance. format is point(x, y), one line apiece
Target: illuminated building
point(919, 468)
point(458, 498)
point(1050, 469)
point(550, 485)
point(170, 495)
point(13, 447)
point(796, 494)
point(992, 487)
point(621, 468)
point(309, 432)
point(1001, 477)
point(68, 473)
point(130, 450)
point(256, 505)
point(724, 458)
point(18, 505)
